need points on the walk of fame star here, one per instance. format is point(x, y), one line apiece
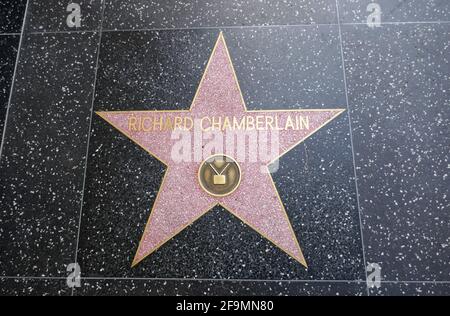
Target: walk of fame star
point(252, 197)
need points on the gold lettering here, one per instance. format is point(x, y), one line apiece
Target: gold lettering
point(304, 122)
point(143, 121)
point(216, 123)
point(169, 125)
point(226, 123)
point(289, 123)
point(277, 124)
point(238, 125)
point(207, 123)
point(178, 123)
point(269, 122)
point(250, 123)
point(132, 121)
point(260, 123)
point(202, 126)
point(158, 123)
point(190, 121)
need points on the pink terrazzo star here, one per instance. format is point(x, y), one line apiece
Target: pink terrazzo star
point(181, 200)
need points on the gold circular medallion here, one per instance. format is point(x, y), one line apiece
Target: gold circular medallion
point(219, 175)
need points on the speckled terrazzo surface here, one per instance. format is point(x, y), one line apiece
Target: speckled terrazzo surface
point(8, 53)
point(59, 204)
point(50, 15)
point(11, 16)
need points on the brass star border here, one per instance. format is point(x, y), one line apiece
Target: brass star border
point(112, 119)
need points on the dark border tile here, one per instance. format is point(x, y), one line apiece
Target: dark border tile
point(217, 288)
point(398, 79)
point(44, 154)
point(11, 15)
point(34, 287)
point(396, 10)
point(51, 15)
point(144, 14)
point(412, 289)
